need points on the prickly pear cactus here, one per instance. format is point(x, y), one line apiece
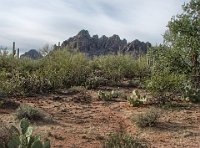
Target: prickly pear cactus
point(25, 139)
point(37, 144)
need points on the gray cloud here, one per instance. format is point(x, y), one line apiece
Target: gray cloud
point(33, 23)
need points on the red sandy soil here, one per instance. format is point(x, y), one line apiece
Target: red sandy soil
point(80, 124)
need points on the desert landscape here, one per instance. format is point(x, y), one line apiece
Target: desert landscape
point(96, 89)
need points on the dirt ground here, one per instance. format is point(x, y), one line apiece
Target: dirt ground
point(86, 124)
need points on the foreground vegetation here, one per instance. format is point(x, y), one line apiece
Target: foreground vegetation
point(63, 69)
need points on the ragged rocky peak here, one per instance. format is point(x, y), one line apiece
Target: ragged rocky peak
point(95, 46)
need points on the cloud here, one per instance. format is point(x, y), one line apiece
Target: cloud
point(33, 23)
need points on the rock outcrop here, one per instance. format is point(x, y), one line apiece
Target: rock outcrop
point(95, 46)
point(32, 54)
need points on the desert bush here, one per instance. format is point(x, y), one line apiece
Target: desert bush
point(117, 67)
point(14, 74)
point(28, 65)
point(8, 104)
point(165, 85)
point(76, 89)
point(122, 140)
point(5, 135)
point(136, 99)
point(192, 94)
point(8, 63)
point(94, 82)
point(134, 83)
point(35, 83)
point(10, 83)
point(31, 113)
point(24, 137)
point(147, 119)
point(65, 69)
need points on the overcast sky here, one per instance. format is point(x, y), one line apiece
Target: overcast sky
point(33, 23)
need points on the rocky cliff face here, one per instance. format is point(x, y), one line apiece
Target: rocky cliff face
point(32, 54)
point(94, 46)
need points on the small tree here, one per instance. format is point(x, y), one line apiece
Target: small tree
point(183, 35)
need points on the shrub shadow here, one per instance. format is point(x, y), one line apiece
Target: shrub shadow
point(171, 126)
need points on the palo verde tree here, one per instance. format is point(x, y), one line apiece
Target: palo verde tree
point(183, 36)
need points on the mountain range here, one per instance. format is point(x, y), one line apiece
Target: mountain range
point(96, 46)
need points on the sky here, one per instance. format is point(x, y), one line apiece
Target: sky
point(34, 23)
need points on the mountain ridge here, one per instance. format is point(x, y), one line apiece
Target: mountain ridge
point(32, 54)
point(95, 45)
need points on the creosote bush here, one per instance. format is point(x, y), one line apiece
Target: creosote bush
point(76, 89)
point(123, 140)
point(192, 94)
point(31, 113)
point(94, 82)
point(165, 85)
point(117, 67)
point(5, 134)
point(147, 119)
point(62, 69)
point(65, 69)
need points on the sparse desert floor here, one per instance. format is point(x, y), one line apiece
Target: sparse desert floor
point(80, 124)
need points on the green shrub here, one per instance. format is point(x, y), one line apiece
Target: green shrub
point(24, 138)
point(76, 89)
point(65, 69)
point(192, 94)
point(27, 65)
point(10, 83)
point(122, 140)
point(136, 99)
point(8, 63)
point(5, 134)
point(14, 75)
point(164, 85)
point(134, 83)
point(147, 119)
point(8, 104)
point(117, 67)
point(31, 113)
point(94, 82)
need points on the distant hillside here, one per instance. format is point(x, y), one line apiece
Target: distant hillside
point(32, 54)
point(94, 45)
